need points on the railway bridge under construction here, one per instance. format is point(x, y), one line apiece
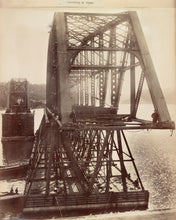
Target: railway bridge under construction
point(81, 159)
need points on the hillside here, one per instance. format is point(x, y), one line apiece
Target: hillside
point(36, 95)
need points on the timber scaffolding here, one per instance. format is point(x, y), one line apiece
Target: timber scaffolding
point(81, 167)
point(81, 159)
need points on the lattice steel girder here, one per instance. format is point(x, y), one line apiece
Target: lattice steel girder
point(84, 45)
point(88, 48)
point(98, 67)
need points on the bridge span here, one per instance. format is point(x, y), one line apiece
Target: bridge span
point(81, 159)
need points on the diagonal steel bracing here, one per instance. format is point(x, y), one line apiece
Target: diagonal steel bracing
point(91, 58)
point(81, 157)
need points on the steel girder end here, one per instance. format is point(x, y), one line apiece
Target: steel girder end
point(166, 125)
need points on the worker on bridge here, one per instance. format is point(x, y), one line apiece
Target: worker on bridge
point(155, 117)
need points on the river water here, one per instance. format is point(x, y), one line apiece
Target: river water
point(5, 185)
point(155, 156)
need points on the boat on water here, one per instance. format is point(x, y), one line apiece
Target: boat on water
point(13, 171)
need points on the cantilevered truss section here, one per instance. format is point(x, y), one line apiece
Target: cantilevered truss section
point(81, 159)
point(101, 60)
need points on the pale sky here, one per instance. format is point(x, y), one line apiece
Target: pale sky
point(24, 42)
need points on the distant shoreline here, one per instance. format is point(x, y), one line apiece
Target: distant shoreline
point(41, 107)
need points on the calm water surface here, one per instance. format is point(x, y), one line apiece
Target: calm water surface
point(155, 156)
point(6, 185)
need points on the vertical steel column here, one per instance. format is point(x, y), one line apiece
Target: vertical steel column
point(101, 75)
point(113, 62)
point(64, 102)
point(109, 162)
point(121, 73)
point(52, 78)
point(101, 87)
point(77, 88)
point(81, 80)
point(92, 77)
point(81, 88)
point(49, 70)
point(86, 78)
point(93, 89)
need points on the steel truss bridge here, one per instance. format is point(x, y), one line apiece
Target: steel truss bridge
point(81, 159)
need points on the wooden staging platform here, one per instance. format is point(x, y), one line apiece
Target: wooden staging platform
point(116, 201)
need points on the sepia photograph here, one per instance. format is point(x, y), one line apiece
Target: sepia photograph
point(88, 110)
